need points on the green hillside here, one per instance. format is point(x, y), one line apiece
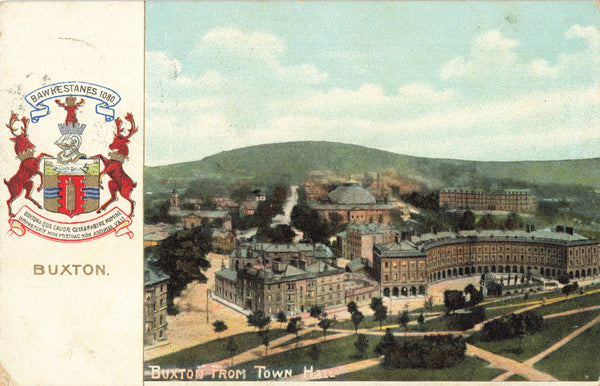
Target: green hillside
point(293, 161)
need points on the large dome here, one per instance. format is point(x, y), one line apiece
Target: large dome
point(351, 195)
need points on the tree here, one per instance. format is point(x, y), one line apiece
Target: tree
point(421, 320)
point(357, 317)
point(265, 340)
point(380, 314)
point(403, 319)
point(282, 233)
point(486, 222)
point(258, 319)
point(309, 221)
point(453, 300)
point(385, 347)
point(316, 311)
point(352, 307)
point(294, 326)
point(314, 352)
point(361, 344)
point(376, 303)
point(513, 221)
point(219, 326)
point(281, 317)
point(570, 288)
point(563, 278)
point(325, 323)
point(231, 348)
point(475, 296)
point(428, 304)
point(182, 256)
point(467, 220)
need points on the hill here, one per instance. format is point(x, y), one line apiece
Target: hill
point(291, 162)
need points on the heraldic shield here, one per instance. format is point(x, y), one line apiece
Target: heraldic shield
point(71, 188)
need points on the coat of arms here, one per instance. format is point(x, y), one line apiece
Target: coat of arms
point(71, 181)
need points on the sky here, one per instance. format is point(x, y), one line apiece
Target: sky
point(501, 81)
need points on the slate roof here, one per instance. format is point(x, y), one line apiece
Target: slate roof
point(154, 275)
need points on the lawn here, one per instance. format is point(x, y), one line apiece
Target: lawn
point(468, 369)
point(570, 303)
point(307, 336)
point(577, 360)
point(554, 330)
point(368, 322)
point(212, 351)
point(333, 353)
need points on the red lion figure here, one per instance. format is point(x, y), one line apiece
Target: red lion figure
point(29, 166)
point(120, 181)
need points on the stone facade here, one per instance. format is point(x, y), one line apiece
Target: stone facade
point(361, 238)
point(447, 255)
point(507, 200)
point(281, 287)
point(155, 305)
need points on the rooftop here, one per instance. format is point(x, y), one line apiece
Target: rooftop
point(154, 275)
point(351, 195)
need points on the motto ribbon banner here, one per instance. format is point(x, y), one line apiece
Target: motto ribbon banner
point(26, 219)
point(108, 98)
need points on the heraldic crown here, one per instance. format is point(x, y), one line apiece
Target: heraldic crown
point(71, 128)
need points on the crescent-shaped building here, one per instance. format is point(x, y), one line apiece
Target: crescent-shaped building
point(406, 267)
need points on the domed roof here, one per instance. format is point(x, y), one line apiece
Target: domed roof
point(352, 195)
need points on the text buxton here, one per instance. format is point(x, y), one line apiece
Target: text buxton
point(70, 269)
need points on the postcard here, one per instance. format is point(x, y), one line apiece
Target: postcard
point(299, 191)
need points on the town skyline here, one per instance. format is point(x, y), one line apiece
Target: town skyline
point(509, 84)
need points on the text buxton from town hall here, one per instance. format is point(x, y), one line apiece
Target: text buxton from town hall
point(216, 372)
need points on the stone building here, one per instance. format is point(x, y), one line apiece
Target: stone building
point(360, 239)
point(222, 241)
point(155, 305)
point(354, 205)
point(400, 268)
point(281, 287)
point(507, 200)
point(214, 218)
point(449, 255)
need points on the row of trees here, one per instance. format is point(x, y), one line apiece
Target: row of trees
point(456, 299)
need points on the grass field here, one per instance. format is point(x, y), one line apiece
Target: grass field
point(309, 335)
point(333, 353)
point(212, 351)
point(570, 303)
point(554, 330)
point(577, 360)
point(468, 369)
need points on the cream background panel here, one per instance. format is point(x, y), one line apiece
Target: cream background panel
point(73, 330)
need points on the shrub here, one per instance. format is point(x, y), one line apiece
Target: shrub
point(435, 352)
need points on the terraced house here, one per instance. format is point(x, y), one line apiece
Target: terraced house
point(406, 267)
point(507, 200)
